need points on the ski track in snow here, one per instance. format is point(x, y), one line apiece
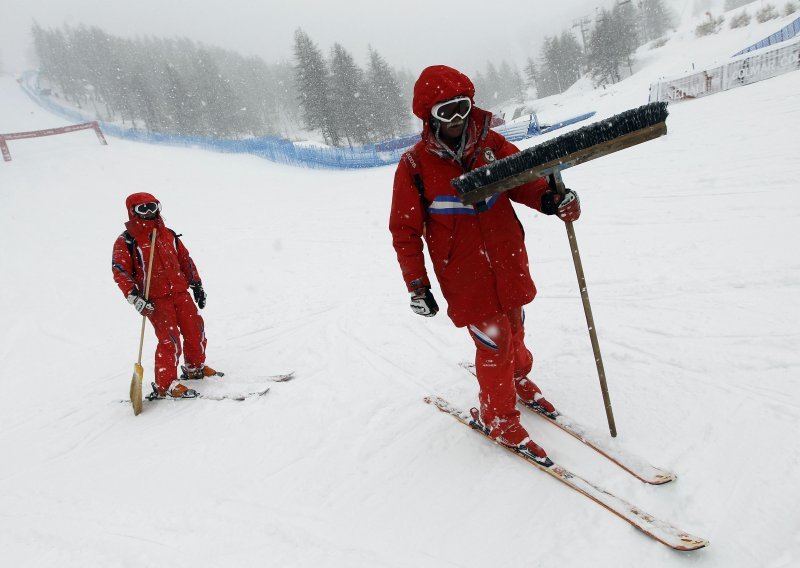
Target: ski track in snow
point(688, 247)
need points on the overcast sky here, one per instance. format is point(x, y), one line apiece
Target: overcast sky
point(408, 33)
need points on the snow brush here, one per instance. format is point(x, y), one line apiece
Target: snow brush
point(620, 131)
point(138, 370)
point(548, 159)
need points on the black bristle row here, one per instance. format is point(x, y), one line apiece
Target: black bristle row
point(561, 147)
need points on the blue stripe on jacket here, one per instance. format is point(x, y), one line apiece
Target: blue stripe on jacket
point(451, 205)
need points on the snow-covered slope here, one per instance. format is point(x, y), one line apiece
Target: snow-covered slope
point(688, 244)
point(681, 53)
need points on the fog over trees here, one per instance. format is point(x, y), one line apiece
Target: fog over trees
point(183, 87)
point(347, 104)
point(611, 39)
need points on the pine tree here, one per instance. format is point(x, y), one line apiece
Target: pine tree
point(570, 59)
point(483, 92)
point(406, 81)
point(511, 83)
point(312, 81)
point(180, 113)
point(348, 97)
point(143, 97)
point(604, 53)
point(215, 102)
point(623, 25)
point(288, 109)
point(517, 85)
point(248, 78)
point(387, 111)
point(553, 79)
point(492, 85)
point(655, 19)
point(531, 74)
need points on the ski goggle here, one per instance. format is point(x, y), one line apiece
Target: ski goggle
point(147, 208)
point(448, 111)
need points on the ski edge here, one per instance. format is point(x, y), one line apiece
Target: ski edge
point(646, 523)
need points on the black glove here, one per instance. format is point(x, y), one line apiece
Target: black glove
point(199, 294)
point(568, 206)
point(140, 303)
point(423, 303)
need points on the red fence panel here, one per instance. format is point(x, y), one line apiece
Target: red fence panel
point(48, 132)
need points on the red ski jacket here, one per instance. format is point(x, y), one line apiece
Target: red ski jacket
point(173, 268)
point(477, 251)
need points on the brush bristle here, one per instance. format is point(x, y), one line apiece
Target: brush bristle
point(561, 147)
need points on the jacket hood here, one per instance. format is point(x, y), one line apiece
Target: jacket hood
point(137, 198)
point(436, 84)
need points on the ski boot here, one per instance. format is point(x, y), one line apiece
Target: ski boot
point(175, 390)
point(513, 435)
point(532, 397)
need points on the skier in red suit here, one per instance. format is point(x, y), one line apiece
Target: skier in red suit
point(169, 306)
point(477, 251)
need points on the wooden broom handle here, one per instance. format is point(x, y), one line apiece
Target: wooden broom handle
point(147, 288)
point(558, 185)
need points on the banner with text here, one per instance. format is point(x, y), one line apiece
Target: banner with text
point(742, 70)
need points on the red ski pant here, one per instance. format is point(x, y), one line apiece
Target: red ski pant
point(175, 316)
point(501, 357)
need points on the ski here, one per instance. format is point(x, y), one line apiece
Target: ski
point(280, 378)
point(632, 464)
point(191, 394)
point(198, 395)
point(659, 530)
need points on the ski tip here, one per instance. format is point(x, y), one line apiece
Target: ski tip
point(689, 543)
point(662, 478)
point(440, 404)
point(283, 377)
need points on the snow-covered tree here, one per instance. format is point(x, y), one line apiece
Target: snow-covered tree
point(387, 110)
point(603, 56)
point(560, 65)
point(348, 97)
point(312, 82)
point(655, 19)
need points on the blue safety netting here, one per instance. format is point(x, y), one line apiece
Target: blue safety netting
point(279, 149)
point(787, 32)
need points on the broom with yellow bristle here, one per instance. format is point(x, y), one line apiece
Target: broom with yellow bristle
point(138, 371)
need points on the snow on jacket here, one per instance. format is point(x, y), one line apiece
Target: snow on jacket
point(173, 268)
point(477, 251)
